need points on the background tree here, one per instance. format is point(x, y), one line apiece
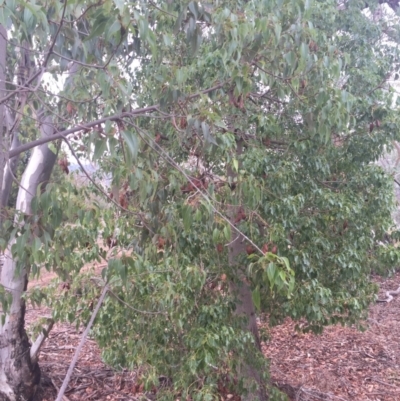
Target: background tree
point(241, 139)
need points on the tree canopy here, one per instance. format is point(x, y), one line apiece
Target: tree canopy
point(239, 139)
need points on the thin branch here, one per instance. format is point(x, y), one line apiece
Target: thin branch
point(160, 9)
point(134, 309)
point(81, 63)
point(80, 127)
point(53, 43)
point(81, 343)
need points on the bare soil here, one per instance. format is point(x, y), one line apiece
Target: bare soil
point(342, 364)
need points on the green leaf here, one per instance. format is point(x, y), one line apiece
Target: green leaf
point(206, 132)
point(119, 4)
point(100, 147)
point(194, 8)
point(5, 14)
point(196, 40)
point(227, 232)
point(304, 51)
point(132, 142)
point(178, 22)
point(271, 272)
point(278, 31)
point(290, 58)
point(99, 26)
point(256, 298)
point(115, 27)
point(235, 165)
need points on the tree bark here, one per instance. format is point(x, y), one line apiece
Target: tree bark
point(11, 125)
point(19, 376)
point(9, 170)
point(3, 142)
point(245, 308)
point(241, 290)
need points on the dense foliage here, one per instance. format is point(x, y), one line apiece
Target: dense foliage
point(258, 119)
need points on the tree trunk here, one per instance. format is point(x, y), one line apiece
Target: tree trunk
point(12, 123)
point(243, 295)
point(19, 376)
point(245, 307)
point(241, 289)
point(3, 141)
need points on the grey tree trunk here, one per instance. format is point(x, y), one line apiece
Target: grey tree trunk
point(19, 376)
point(3, 141)
point(12, 122)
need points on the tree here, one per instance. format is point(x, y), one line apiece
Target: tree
point(240, 138)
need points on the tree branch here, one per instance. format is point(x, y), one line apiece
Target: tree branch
point(35, 348)
point(88, 126)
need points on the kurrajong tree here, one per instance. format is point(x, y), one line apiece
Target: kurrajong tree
point(238, 139)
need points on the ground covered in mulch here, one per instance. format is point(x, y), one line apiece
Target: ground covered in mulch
point(91, 379)
point(341, 364)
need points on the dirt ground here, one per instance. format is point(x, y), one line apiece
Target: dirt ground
point(342, 364)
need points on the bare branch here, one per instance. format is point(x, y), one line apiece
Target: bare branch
point(81, 343)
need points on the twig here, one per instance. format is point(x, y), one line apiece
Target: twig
point(381, 382)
